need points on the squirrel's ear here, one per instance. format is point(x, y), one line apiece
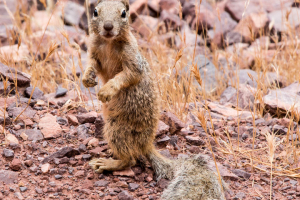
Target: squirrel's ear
point(99, 1)
point(126, 3)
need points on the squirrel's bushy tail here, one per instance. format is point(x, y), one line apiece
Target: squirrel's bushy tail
point(191, 178)
point(163, 167)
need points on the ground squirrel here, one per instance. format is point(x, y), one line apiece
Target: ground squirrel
point(129, 94)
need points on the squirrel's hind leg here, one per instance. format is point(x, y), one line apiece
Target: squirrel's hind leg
point(101, 164)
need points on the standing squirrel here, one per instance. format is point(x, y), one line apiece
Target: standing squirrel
point(131, 103)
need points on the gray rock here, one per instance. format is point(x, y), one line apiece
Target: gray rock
point(64, 152)
point(282, 100)
point(133, 186)
point(60, 92)
point(278, 17)
point(58, 176)
point(241, 173)
point(8, 153)
point(239, 196)
point(86, 157)
point(23, 189)
point(82, 148)
point(172, 120)
point(210, 75)
point(37, 93)
point(245, 96)
point(8, 177)
point(33, 134)
point(72, 13)
point(61, 120)
point(82, 132)
point(101, 183)
point(22, 79)
point(124, 195)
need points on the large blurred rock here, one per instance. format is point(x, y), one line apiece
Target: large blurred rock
point(206, 17)
point(14, 76)
point(283, 101)
point(72, 13)
point(8, 177)
point(278, 19)
point(244, 94)
point(211, 76)
point(258, 22)
point(4, 15)
point(277, 5)
point(221, 26)
point(236, 8)
point(172, 21)
point(145, 25)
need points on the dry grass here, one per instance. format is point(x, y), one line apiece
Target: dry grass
point(52, 62)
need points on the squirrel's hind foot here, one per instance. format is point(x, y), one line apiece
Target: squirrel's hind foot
point(101, 164)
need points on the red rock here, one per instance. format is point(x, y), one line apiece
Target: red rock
point(15, 164)
point(28, 122)
point(257, 21)
point(97, 151)
point(162, 128)
point(122, 184)
point(80, 174)
point(72, 119)
point(195, 140)
point(136, 8)
point(221, 26)
point(126, 172)
point(172, 21)
point(94, 142)
point(171, 6)
point(87, 184)
point(6, 102)
point(45, 168)
point(28, 163)
point(206, 17)
point(18, 55)
point(89, 117)
point(171, 120)
point(229, 112)
point(10, 138)
point(49, 127)
point(145, 25)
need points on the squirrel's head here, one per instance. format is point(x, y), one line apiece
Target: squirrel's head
point(110, 19)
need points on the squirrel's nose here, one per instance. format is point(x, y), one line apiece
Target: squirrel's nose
point(108, 26)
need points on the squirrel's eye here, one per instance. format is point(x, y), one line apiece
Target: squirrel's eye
point(95, 13)
point(123, 14)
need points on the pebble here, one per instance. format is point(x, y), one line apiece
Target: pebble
point(8, 153)
point(23, 189)
point(133, 186)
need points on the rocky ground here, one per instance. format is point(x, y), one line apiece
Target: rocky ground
point(48, 136)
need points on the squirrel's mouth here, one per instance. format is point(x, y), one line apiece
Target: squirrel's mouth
point(108, 35)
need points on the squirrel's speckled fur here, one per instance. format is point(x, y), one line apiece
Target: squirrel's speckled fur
point(130, 97)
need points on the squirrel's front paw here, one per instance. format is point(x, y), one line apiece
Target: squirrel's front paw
point(89, 82)
point(105, 95)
